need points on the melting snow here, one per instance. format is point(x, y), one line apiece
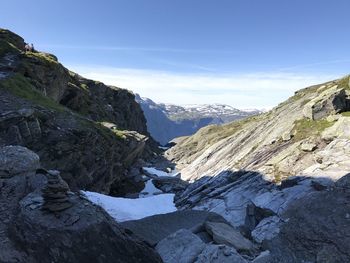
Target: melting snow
point(124, 209)
point(159, 173)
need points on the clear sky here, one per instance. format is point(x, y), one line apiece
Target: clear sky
point(246, 53)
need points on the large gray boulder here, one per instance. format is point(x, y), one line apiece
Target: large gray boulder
point(155, 228)
point(225, 234)
point(182, 246)
point(330, 101)
point(316, 229)
point(16, 160)
point(219, 254)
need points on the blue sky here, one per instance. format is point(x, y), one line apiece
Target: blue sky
point(246, 53)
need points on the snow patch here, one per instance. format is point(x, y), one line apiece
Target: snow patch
point(154, 171)
point(124, 209)
point(150, 190)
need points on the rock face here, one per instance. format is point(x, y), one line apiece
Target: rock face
point(279, 143)
point(90, 132)
point(80, 233)
point(280, 178)
point(331, 100)
point(317, 229)
point(166, 121)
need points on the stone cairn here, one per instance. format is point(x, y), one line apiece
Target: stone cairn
point(55, 193)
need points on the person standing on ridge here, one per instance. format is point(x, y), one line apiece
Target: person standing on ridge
point(27, 47)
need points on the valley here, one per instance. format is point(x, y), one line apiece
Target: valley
point(84, 174)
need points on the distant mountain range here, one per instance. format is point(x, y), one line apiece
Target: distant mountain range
point(168, 121)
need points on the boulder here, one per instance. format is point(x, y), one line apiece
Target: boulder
point(287, 136)
point(267, 229)
point(219, 254)
point(182, 246)
point(169, 184)
point(333, 118)
point(316, 229)
point(225, 234)
point(155, 228)
point(16, 160)
point(340, 130)
point(264, 257)
point(308, 146)
point(331, 101)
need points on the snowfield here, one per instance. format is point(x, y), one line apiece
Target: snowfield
point(124, 209)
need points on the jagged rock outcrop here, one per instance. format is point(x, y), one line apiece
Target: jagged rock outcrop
point(88, 131)
point(81, 232)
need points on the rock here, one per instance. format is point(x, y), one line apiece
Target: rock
point(255, 215)
point(228, 194)
point(55, 193)
point(344, 182)
point(331, 101)
point(16, 160)
point(225, 234)
point(267, 229)
point(81, 233)
point(155, 228)
point(333, 161)
point(219, 254)
point(333, 118)
point(170, 184)
point(182, 246)
point(287, 136)
point(321, 184)
point(264, 257)
point(308, 146)
point(340, 130)
point(316, 228)
point(61, 119)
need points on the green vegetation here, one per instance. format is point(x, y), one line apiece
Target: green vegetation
point(19, 86)
point(107, 133)
point(84, 86)
point(306, 128)
point(45, 58)
point(346, 114)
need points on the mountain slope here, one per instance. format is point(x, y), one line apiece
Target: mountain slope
point(278, 143)
point(89, 131)
point(168, 121)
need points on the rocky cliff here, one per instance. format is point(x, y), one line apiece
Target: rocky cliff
point(167, 121)
point(89, 131)
point(42, 221)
